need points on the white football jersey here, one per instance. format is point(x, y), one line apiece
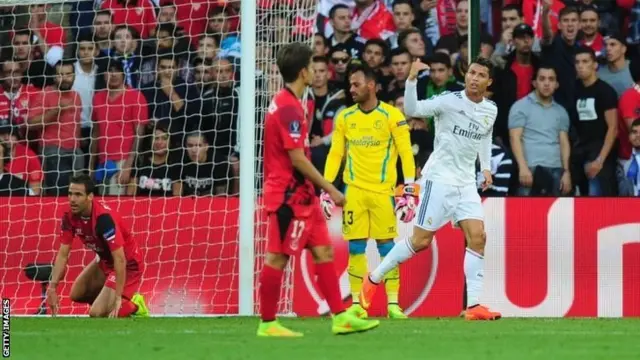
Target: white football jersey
point(463, 131)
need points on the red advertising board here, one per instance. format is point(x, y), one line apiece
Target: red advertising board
point(544, 257)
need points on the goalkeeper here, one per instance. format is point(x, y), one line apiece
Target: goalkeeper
point(371, 134)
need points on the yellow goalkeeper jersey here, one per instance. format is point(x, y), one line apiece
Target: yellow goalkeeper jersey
point(371, 142)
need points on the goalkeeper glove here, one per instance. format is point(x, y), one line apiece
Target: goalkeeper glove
point(327, 205)
point(407, 200)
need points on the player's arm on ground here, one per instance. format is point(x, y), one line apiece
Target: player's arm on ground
point(402, 140)
point(60, 264)
point(106, 228)
point(337, 150)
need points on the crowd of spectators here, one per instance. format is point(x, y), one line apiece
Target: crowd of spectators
point(144, 94)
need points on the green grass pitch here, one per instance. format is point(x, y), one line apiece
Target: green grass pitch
point(234, 338)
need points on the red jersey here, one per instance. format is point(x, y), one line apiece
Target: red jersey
point(103, 232)
point(14, 107)
point(24, 164)
point(53, 34)
point(597, 44)
point(141, 16)
point(374, 22)
point(286, 128)
point(64, 131)
point(117, 120)
point(629, 110)
point(532, 12)
point(524, 74)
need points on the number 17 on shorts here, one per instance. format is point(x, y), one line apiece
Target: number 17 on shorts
point(289, 234)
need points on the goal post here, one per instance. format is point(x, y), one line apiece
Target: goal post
point(246, 248)
point(203, 254)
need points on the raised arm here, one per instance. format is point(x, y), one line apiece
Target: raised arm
point(412, 106)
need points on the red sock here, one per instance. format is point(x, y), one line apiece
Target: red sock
point(127, 308)
point(270, 282)
point(330, 286)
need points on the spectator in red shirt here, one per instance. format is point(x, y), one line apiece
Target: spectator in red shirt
point(372, 19)
point(190, 15)
point(629, 110)
point(53, 34)
point(23, 162)
point(139, 14)
point(590, 26)
point(58, 119)
point(119, 114)
point(35, 57)
point(16, 96)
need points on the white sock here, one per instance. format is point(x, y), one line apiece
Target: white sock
point(401, 252)
point(474, 274)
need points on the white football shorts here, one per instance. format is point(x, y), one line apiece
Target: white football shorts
point(440, 203)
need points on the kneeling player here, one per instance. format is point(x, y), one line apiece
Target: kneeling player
point(294, 215)
point(110, 283)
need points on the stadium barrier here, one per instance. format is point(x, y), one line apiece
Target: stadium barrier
point(545, 258)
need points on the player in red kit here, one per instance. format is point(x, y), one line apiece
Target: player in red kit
point(294, 215)
point(110, 283)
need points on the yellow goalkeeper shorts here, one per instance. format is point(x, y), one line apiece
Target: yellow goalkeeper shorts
point(368, 215)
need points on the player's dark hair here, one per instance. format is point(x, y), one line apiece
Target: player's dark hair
point(66, 62)
point(103, 12)
point(403, 2)
point(167, 55)
point(320, 59)
point(382, 44)
point(83, 179)
point(513, 7)
point(404, 34)
point(200, 61)
point(167, 27)
point(546, 66)
point(582, 50)
point(399, 51)
point(325, 41)
point(635, 123)
point(440, 58)
point(291, 59)
point(86, 36)
point(115, 65)
point(568, 10)
point(134, 33)
point(367, 71)
point(24, 32)
point(586, 8)
point(197, 134)
point(335, 8)
point(484, 62)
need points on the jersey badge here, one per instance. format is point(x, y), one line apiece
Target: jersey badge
point(377, 125)
point(295, 129)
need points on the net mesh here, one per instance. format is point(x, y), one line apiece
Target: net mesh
point(153, 88)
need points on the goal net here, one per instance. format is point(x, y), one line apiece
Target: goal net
point(145, 98)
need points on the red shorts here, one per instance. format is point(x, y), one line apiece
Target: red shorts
point(131, 282)
point(290, 233)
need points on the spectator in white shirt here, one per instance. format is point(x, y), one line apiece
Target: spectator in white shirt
point(85, 85)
